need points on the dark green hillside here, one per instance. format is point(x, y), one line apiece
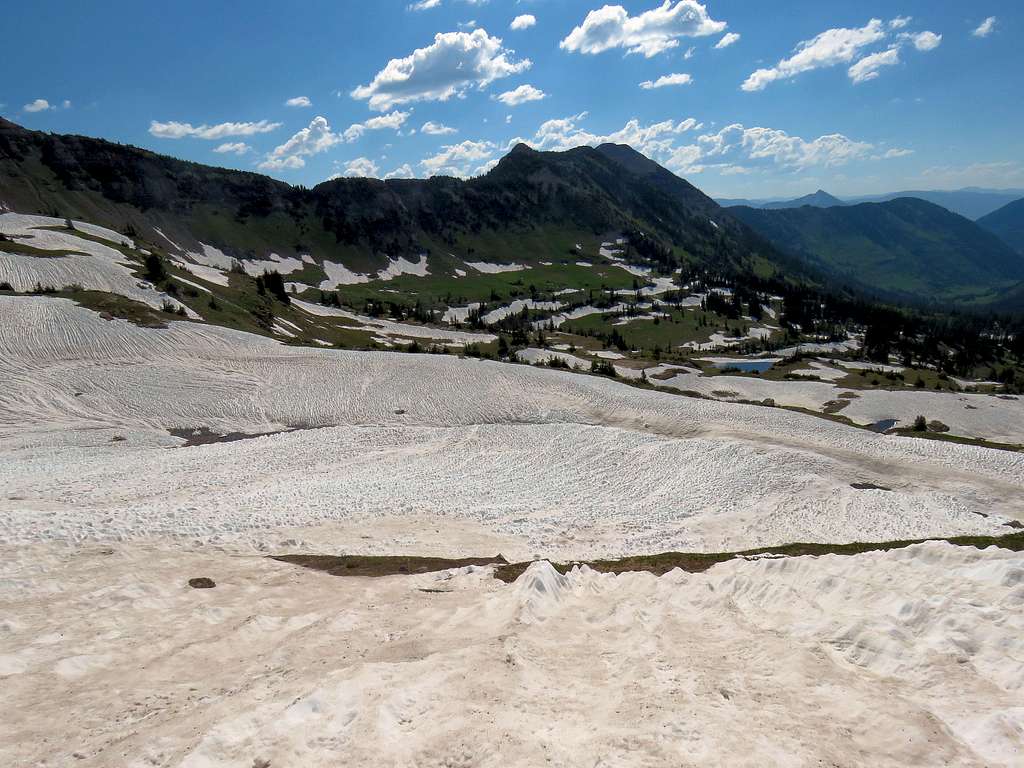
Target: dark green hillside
point(532, 206)
point(905, 248)
point(1007, 224)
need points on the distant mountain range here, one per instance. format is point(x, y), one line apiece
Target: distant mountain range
point(819, 199)
point(971, 202)
point(906, 248)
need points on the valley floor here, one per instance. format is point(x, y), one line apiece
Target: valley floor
point(111, 502)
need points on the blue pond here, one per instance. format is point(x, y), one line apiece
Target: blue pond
point(884, 425)
point(747, 366)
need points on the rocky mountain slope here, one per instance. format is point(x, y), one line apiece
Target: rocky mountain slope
point(531, 206)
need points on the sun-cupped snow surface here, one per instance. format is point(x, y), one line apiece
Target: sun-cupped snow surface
point(195, 285)
point(203, 272)
point(500, 313)
point(719, 340)
point(493, 269)
point(283, 265)
point(816, 348)
point(860, 366)
point(822, 370)
point(889, 659)
point(609, 251)
point(661, 285)
point(212, 263)
point(460, 314)
point(556, 321)
point(509, 448)
point(339, 274)
point(972, 415)
point(402, 266)
point(22, 223)
point(209, 256)
point(76, 261)
point(390, 328)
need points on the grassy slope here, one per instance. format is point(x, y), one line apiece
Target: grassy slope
point(680, 327)
point(905, 246)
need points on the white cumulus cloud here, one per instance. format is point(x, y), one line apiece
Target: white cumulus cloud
point(461, 160)
point(728, 39)
point(453, 63)
point(176, 130)
point(680, 78)
point(437, 129)
point(985, 28)
point(361, 167)
point(926, 41)
point(39, 105)
point(525, 21)
point(403, 171)
point(846, 46)
point(768, 143)
point(233, 147)
point(392, 120)
point(867, 68)
point(317, 137)
point(649, 33)
point(656, 139)
point(299, 101)
point(831, 47)
point(734, 149)
point(521, 95)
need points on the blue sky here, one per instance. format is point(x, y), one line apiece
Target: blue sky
point(741, 98)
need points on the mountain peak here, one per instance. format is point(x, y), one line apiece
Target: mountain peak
point(522, 149)
point(629, 158)
point(819, 199)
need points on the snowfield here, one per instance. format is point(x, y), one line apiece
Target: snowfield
point(391, 329)
point(339, 275)
point(1000, 419)
point(494, 269)
point(108, 658)
point(510, 448)
point(910, 657)
point(89, 264)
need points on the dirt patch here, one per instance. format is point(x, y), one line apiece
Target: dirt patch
point(366, 565)
point(699, 562)
point(204, 436)
point(664, 375)
point(834, 406)
point(869, 487)
point(659, 564)
point(194, 436)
